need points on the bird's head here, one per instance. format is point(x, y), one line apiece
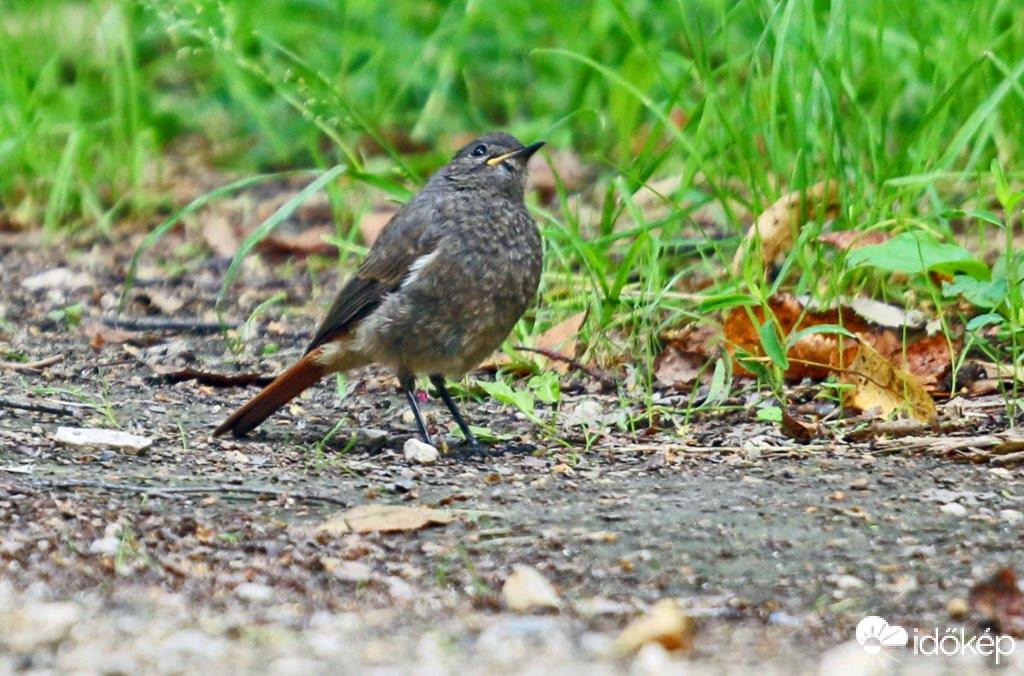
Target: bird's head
point(495, 161)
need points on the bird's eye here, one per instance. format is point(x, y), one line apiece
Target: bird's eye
point(479, 151)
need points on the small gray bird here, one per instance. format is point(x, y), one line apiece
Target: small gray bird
point(445, 282)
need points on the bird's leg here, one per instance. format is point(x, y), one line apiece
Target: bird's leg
point(408, 384)
point(438, 382)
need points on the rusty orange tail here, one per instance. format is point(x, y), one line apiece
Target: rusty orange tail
point(290, 384)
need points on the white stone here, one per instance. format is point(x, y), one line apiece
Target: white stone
point(96, 437)
point(36, 625)
point(105, 546)
point(526, 589)
point(953, 509)
point(419, 452)
point(1011, 516)
point(253, 591)
point(58, 278)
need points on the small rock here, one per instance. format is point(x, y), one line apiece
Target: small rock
point(953, 509)
point(253, 591)
point(846, 582)
point(372, 437)
point(418, 452)
point(95, 437)
point(351, 571)
point(957, 608)
point(107, 546)
point(665, 623)
point(860, 484)
point(1011, 516)
point(37, 625)
point(526, 589)
point(58, 278)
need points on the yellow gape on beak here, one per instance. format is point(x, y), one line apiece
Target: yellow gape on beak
point(501, 158)
point(522, 152)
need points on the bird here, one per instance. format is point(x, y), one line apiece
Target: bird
point(441, 287)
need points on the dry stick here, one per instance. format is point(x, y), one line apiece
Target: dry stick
point(38, 407)
point(165, 324)
point(31, 365)
point(215, 379)
point(574, 364)
point(168, 491)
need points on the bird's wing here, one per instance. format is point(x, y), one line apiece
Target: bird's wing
point(407, 236)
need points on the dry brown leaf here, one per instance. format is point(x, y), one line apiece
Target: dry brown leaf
point(372, 222)
point(796, 428)
point(664, 623)
point(384, 519)
point(879, 384)
point(306, 243)
point(848, 240)
point(675, 367)
point(999, 601)
point(775, 227)
point(527, 589)
point(930, 360)
point(814, 356)
point(220, 235)
point(559, 338)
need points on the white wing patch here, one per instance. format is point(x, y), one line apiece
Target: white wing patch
point(417, 267)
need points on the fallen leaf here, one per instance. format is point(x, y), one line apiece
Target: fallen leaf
point(220, 235)
point(560, 338)
point(998, 599)
point(384, 519)
point(306, 243)
point(676, 367)
point(664, 623)
point(930, 360)
point(795, 428)
point(775, 227)
point(163, 301)
point(848, 240)
point(372, 222)
point(527, 589)
point(879, 384)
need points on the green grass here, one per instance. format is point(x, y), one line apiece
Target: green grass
point(906, 107)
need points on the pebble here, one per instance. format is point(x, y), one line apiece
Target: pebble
point(58, 278)
point(107, 546)
point(1011, 516)
point(97, 437)
point(419, 452)
point(36, 625)
point(953, 509)
point(253, 591)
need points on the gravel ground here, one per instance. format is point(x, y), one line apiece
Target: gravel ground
point(204, 555)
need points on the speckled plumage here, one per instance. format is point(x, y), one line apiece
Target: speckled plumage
point(445, 281)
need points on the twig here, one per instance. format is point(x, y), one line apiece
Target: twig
point(165, 324)
point(215, 379)
point(167, 491)
point(38, 406)
point(574, 364)
point(32, 365)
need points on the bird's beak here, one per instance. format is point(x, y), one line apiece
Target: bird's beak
point(524, 153)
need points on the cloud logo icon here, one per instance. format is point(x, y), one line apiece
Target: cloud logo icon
point(874, 633)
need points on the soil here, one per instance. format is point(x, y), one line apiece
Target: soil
point(203, 554)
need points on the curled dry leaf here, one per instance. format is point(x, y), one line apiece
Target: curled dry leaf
point(560, 338)
point(384, 519)
point(306, 243)
point(880, 384)
point(927, 358)
point(664, 623)
point(999, 601)
point(220, 235)
point(848, 240)
point(372, 222)
point(527, 589)
point(775, 227)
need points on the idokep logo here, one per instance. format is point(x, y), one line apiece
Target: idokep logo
point(874, 633)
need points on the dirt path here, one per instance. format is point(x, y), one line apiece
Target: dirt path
point(776, 549)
